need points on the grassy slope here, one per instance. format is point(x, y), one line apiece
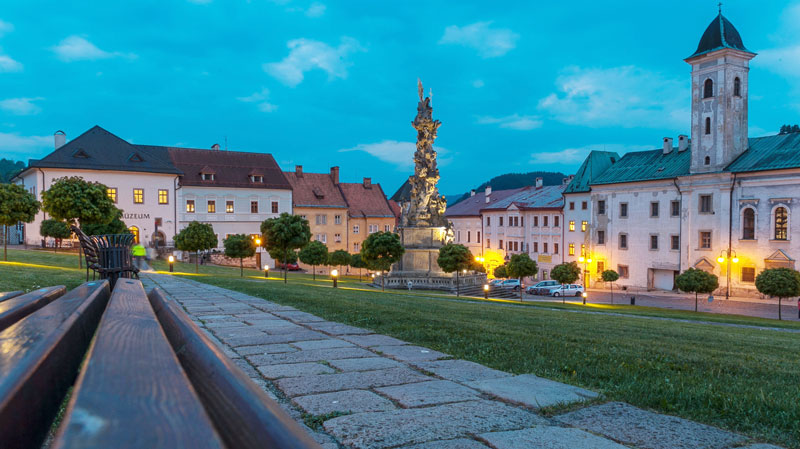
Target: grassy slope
point(741, 379)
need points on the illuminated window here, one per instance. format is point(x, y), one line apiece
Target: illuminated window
point(212, 206)
point(584, 225)
point(163, 196)
point(229, 207)
point(190, 206)
point(572, 225)
point(781, 224)
point(571, 249)
point(138, 196)
point(135, 231)
point(583, 250)
point(112, 194)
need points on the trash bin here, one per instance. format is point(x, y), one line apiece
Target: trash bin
point(114, 254)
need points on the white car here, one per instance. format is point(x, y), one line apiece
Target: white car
point(567, 290)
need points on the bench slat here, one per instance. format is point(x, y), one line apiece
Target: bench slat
point(132, 392)
point(243, 414)
point(39, 361)
point(9, 295)
point(17, 308)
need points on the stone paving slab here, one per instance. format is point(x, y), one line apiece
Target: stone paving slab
point(246, 367)
point(267, 339)
point(547, 437)
point(294, 370)
point(353, 401)
point(379, 430)
point(323, 344)
point(460, 370)
point(265, 349)
point(312, 355)
point(428, 393)
point(365, 364)
point(300, 386)
point(459, 443)
point(648, 430)
point(373, 340)
point(332, 328)
point(409, 353)
point(532, 391)
point(298, 317)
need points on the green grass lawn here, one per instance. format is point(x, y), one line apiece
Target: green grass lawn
point(740, 379)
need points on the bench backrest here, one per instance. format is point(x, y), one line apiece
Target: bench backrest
point(48, 346)
point(14, 309)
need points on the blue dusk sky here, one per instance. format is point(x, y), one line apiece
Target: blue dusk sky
point(518, 85)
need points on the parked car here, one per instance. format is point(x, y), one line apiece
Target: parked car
point(512, 284)
point(567, 290)
point(496, 282)
point(542, 288)
point(289, 267)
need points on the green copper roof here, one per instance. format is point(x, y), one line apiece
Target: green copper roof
point(769, 153)
point(595, 164)
point(647, 166)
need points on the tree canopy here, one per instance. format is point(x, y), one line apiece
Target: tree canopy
point(239, 246)
point(382, 249)
point(696, 281)
point(786, 129)
point(315, 253)
point(780, 283)
point(454, 257)
point(609, 276)
point(521, 265)
point(16, 205)
point(115, 226)
point(339, 258)
point(283, 235)
point(73, 200)
point(566, 273)
point(55, 229)
point(196, 237)
point(500, 272)
point(9, 168)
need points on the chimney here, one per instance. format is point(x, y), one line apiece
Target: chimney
point(568, 179)
point(335, 175)
point(667, 145)
point(539, 182)
point(215, 147)
point(367, 183)
point(298, 170)
point(488, 194)
point(60, 138)
point(472, 192)
point(683, 142)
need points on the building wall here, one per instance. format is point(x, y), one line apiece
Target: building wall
point(468, 231)
point(578, 209)
point(241, 220)
point(355, 239)
point(142, 216)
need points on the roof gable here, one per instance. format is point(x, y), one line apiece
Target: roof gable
point(593, 166)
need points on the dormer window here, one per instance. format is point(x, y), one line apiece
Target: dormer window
point(737, 87)
point(207, 176)
point(708, 89)
point(256, 178)
point(81, 154)
point(135, 157)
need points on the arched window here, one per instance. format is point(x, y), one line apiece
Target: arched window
point(708, 89)
point(748, 224)
point(737, 87)
point(708, 125)
point(781, 223)
point(707, 161)
point(135, 231)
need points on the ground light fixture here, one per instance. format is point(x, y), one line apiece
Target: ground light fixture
point(485, 291)
point(266, 271)
point(334, 276)
point(171, 260)
point(584, 297)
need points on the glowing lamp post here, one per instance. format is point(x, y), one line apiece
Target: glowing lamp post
point(485, 291)
point(334, 276)
point(171, 260)
point(584, 294)
point(727, 255)
point(258, 254)
point(266, 271)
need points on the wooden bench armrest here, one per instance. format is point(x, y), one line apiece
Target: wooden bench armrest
point(243, 413)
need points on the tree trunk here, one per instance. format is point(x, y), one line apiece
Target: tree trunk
point(520, 289)
point(458, 293)
point(5, 245)
point(612, 293)
point(314, 272)
point(359, 274)
point(241, 267)
point(383, 282)
point(55, 246)
point(197, 263)
point(779, 308)
point(695, 301)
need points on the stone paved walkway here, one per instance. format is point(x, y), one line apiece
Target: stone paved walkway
point(372, 391)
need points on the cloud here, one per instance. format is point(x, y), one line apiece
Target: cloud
point(260, 98)
point(516, 121)
point(9, 65)
point(620, 96)
point(782, 60)
point(578, 155)
point(5, 27)
point(76, 48)
point(306, 54)
point(316, 10)
point(400, 154)
point(21, 106)
point(12, 144)
point(489, 42)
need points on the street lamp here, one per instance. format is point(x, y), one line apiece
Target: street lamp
point(584, 294)
point(725, 255)
point(485, 291)
point(334, 275)
point(171, 260)
point(258, 254)
point(266, 271)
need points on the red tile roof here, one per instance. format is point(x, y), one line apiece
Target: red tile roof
point(366, 200)
point(315, 190)
point(230, 168)
point(471, 207)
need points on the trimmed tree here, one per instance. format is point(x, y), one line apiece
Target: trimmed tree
point(696, 281)
point(115, 226)
point(609, 277)
point(380, 250)
point(455, 258)
point(520, 266)
point(239, 246)
point(780, 282)
point(339, 258)
point(500, 272)
point(283, 235)
point(315, 253)
point(195, 238)
point(357, 262)
point(565, 273)
point(16, 205)
point(56, 229)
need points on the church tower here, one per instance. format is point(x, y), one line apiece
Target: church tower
point(719, 97)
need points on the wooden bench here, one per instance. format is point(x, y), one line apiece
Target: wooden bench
point(9, 295)
point(150, 379)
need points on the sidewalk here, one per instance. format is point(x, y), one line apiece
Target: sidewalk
point(363, 390)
